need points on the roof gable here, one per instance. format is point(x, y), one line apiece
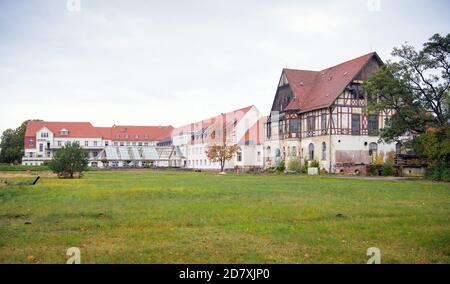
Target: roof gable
point(319, 89)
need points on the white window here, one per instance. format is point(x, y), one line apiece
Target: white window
point(86, 143)
point(59, 143)
point(41, 147)
point(95, 143)
point(44, 135)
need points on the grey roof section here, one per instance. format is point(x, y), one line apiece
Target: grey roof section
point(152, 153)
point(149, 153)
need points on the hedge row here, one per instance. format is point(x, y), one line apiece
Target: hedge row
point(18, 168)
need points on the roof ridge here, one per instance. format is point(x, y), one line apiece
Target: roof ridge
point(348, 61)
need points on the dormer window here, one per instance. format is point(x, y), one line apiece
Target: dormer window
point(117, 136)
point(136, 136)
point(64, 132)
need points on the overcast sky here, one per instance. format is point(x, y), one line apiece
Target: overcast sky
point(174, 62)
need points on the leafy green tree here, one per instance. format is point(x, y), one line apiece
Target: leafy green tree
point(68, 160)
point(12, 144)
point(416, 87)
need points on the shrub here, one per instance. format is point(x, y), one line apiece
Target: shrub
point(281, 167)
point(323, 171)
point(294, 165)
point(438, 172)
point(314, 164)
point(305, 168)
point(387, 169)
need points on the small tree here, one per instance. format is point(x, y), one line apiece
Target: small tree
point(221, 153)
point(68, 160)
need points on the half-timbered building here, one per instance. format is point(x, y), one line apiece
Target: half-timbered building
point(321, 115)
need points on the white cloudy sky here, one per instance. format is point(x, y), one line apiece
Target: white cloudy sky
point(172, 62)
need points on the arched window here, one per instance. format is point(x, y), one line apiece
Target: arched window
point(268, 152)
point(398, 148)
point(288, 151)
point(324, 151)
point(311, 152)
point(277, 153)
point(373, 150)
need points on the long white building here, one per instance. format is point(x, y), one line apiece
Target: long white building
point(116, 146)
point(152, 146)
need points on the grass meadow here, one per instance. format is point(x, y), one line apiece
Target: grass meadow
point(185, 217)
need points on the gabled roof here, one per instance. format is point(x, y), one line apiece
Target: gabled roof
point(319, 89)
point(76, 129)
point(213, 124)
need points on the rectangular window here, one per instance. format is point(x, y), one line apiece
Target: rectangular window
point(280, 127)
point(95, 143)
point(86, 143)
point(41, 147)
point(310, 123)
point(117, 136)
point(294, 125)
point(239, 156)
point(356, 122)
point(373, 124)
point(59, 143)
point(324, 123)
point(44, 135)
point(268, 130)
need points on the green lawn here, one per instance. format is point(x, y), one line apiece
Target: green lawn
point(175, 217)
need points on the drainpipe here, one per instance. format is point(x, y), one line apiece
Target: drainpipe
point(329, 123)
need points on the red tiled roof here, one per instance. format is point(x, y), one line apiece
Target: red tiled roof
point(76, 129)
point(318, 89)
point(86, 130)
point(105, 132)
point(140, 133)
